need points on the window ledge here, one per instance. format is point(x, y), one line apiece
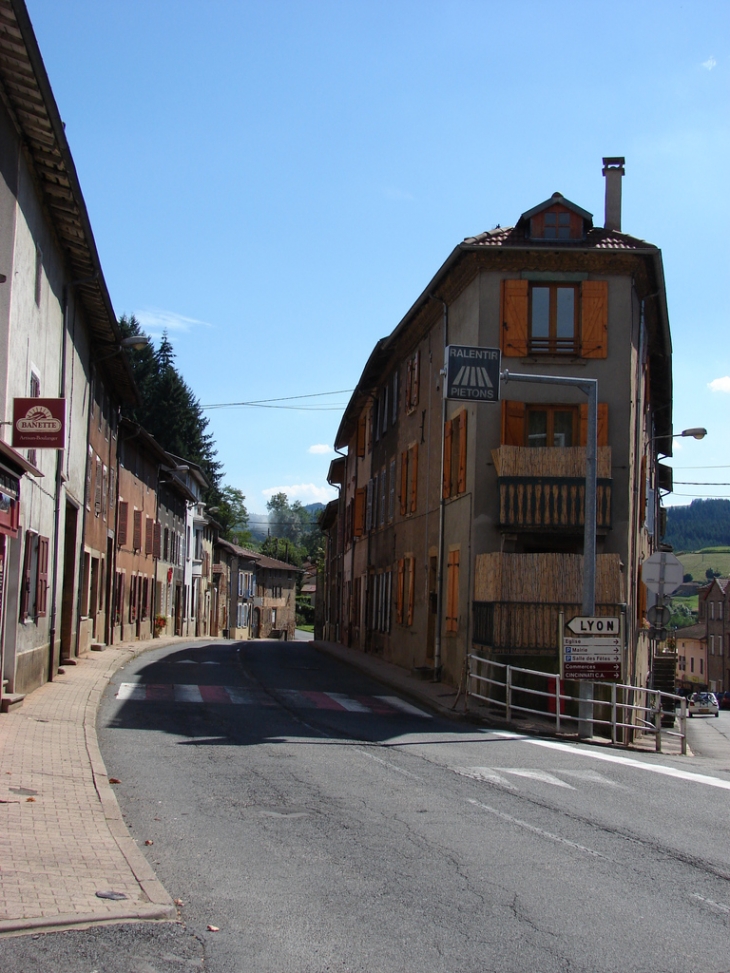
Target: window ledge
point(555, 360)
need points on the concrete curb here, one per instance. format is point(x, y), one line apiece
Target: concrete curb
point(143, 913)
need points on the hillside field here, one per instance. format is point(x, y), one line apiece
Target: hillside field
point(696, 563)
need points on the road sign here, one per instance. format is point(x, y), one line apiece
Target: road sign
point(599, 625)
point(472, 374)
point(662, 573)
point(595, 658)
point(658, 615)
point(658, 634)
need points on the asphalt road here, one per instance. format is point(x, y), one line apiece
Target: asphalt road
point(324, 825)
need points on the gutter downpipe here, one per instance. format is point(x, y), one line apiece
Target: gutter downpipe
point(57, 493)
point(589, 386)
point(442, 514)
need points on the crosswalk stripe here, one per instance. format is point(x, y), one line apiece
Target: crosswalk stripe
point(346, 702)
point(541, 775)
point(405, 707)
point(485, 774)
point(132, 690)
point(187, 694)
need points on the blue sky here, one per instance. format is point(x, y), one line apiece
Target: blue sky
point(276, 182)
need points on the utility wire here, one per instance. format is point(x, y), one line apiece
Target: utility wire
point(284, 398)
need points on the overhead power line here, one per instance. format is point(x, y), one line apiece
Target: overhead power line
point(267, 403)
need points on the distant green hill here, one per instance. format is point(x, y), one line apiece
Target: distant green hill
point(699, 525)
point(697, 563)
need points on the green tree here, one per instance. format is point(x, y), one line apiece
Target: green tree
point(232, 516)
point(169, 410)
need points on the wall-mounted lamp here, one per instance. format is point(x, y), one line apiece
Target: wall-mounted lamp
point(136, 341)
point(695, 433)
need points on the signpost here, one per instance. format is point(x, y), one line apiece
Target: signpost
point(472, 373)
point(595, 654)
point(662, 573)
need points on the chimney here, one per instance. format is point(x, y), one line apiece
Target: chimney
point(613, 170)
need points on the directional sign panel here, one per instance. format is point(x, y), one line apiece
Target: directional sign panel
point(595, 658)
point(472, 374)
point(601, 625)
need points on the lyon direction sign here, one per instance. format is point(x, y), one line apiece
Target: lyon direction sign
point(472, 374)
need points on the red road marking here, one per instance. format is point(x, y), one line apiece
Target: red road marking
point(214, 694)
point(159, 692)
point(322, 700)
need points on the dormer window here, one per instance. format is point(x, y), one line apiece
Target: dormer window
point(557, 223)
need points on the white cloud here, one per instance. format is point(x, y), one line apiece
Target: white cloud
point(306, 492)
point(710, 63)
point(720, 384)
point(154, 321)
point(320, 449)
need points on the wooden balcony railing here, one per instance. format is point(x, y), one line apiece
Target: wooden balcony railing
point(550, 503)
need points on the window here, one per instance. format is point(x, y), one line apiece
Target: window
point(383, 494)
point(526, 424)
point(34, 393)
point(358, 527)
point(362, 425)
point(409, 480)
point(553, 318)
point(455, 455)
point(692, 664)
point(394, 399)
point(552, 425)
point(391, 495)
point(452, 592)
point(157, 539)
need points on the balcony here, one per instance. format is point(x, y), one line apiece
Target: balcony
point(543, 489)
point(517, 598)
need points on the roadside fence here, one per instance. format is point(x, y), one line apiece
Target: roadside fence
point(621, 710)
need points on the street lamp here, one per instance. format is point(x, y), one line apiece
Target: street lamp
point(695, 433)
point(135, 341)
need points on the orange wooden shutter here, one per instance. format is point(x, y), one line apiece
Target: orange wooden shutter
point(416, 376)
point(448, 432)
point(461, 482)
point(411, 589)
point(137, 531)
point(513, 423)
point(149, 535)
point(41, 589)
point(404, 483)
point(602, 431)
point(594, 324)
point(359, 525)
point(414, 476)
point(514, 332)
point(157, 536)
point(122, 523)
point(401, 591)
point(362, 424)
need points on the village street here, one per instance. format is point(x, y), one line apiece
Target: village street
point(321, 822)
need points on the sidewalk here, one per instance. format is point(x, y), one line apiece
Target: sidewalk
point(62, 837)
point(441, 698)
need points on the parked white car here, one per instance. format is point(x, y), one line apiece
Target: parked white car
point(703, 704)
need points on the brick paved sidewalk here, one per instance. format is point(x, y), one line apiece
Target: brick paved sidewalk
point(62, 837)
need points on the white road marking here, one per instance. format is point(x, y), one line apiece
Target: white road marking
point(402, 705)
point(132, 690)
point(540, 775)
point(486, 774)
point(538, 831)
point(187, 694)
point(352, 705)
point(182, 662)
point(718, 906)
point(390, 766)
point(210, 662)
point(630, 762)
point(592, 777)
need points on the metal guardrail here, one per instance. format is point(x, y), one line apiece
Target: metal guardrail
point(630, 708)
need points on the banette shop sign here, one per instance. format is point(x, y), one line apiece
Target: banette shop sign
point(39, 423)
